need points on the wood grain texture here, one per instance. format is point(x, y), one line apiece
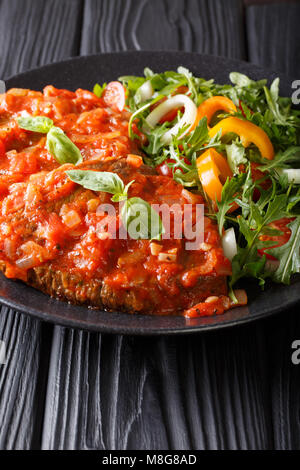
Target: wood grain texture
point(22, 380)
point(276, 28)
point(114, 392)
point(207, 26)
point(34, 33)
point(31, 33)
point(284, 381)
point(274, 35)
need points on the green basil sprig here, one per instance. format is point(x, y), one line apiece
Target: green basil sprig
point(138, 217)
point(141, 220)
point(41, 124)
point(104, 181)
point(61, 147)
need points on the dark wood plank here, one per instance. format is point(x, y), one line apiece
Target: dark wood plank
point(22, 380)
point(207, 26)
point(31, 33)
point(284, 380)
point(34, 33)
point(114, 392)
point(273, 36)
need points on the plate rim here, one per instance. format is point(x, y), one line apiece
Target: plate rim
point(148, 51)
point(136, 331)
point(148, 331)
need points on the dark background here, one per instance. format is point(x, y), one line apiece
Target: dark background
point(68, 389)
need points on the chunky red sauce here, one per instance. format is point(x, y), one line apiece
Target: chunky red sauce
point(46, 219)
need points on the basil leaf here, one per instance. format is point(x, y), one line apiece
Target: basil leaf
point(62, 148)
point(140, 220)
point(41, 124)
point(104, 181)
point(123, 195)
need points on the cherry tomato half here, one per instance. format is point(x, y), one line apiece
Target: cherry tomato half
point(279, 240)
point(114, 96)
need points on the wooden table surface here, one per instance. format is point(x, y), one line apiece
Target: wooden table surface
point(68, 389)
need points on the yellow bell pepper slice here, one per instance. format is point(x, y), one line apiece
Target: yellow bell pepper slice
point(213, 170)
point(248, 132)
point(210, 106)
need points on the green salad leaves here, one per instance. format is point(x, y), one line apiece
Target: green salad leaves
point(259, 189)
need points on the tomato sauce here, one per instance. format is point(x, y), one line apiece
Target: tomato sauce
point(48, 220)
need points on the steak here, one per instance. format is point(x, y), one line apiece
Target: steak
point(53, 235)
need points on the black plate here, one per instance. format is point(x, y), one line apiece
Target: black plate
point(84, 72)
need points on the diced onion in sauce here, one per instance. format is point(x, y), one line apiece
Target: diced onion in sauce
point(26, 262)
point(155, 248)
point(167, 257)
point(211, 299)
point(34, 254)
point(205, 246)
point(71, 219)
point(9, 248)
point(134, 160)
point(92, 205)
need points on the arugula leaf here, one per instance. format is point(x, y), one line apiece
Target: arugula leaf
point(141, 220)
point(280, 113)
point(288, 255)
point(247, 262)
point(253, 267)
point(241, 80)
point(293, 201)
point(263, 107)
point(196, 139)
point(41, 124)
point(139, 112)
point(104, 181)
point(189, 179)
point(189, 78)
point(229, 191)
point(282, 159)
point(154, 139)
